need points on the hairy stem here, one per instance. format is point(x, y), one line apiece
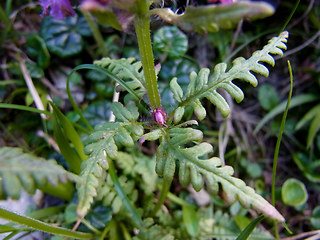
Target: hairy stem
point(142, 27)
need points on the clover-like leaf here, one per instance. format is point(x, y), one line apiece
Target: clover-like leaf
point(37, 48)
point(170, 40)
point(64, 37)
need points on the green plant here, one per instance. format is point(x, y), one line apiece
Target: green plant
point(110, 147)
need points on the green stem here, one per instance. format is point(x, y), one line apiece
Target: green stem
point(96, 33)
point(7, 25)
point(42, 226)
point(8, 7)
point(105, 231)
point(45, 212)
point(276, 151)
point(142, 27)
point(163, 195)
point(178, 200)
point(294, 9)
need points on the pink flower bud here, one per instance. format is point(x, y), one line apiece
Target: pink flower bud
point(160, 116)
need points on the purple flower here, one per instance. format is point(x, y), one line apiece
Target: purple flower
point(56, 8)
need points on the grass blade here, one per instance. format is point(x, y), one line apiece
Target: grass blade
point(24, 108)
point(42, 226)
point(249, 229)
point(295, 101)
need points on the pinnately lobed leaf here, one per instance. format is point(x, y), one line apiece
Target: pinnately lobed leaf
point(102, 144)
point(202, 85)
point(109, 197)
point(128, 70)
point(24, 171)
point(194, 167)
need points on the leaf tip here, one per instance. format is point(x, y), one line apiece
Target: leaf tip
point(272, 212)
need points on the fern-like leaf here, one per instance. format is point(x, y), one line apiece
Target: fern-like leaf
point(135, 166)
point(203, 86)
point(193, 167)
point(139, 166)
point(128, 70)
point(109, 197)
point(24, 171)
point(103, 143)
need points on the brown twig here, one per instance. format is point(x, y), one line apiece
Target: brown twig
point(315, 233)
point(31, 87)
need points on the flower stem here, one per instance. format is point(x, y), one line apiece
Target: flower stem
point(142, 27)
point(96, 33)
point(165, 188)
point(276, 151)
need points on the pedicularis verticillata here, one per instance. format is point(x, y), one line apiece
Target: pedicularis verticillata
point(181, 151)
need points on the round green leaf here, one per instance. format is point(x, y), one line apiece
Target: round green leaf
point(97, 112)
point(34, 70)
point(268, 97)
point(254, 170)
point(315, 217)
point(64, 37)
point(308, 165)
point(99, 216)
point(37, 48)
point(294, 192)
point(178, 68)
point(170, 40)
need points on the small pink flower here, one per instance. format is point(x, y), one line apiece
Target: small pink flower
point(56, 8)
point(160, 116)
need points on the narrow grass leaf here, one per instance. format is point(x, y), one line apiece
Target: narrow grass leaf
point(295, 101)
point(249, 229)
point(42, 226)
point(24, 108)
point(70, 132)
point(67, 152)
point(314, 128)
